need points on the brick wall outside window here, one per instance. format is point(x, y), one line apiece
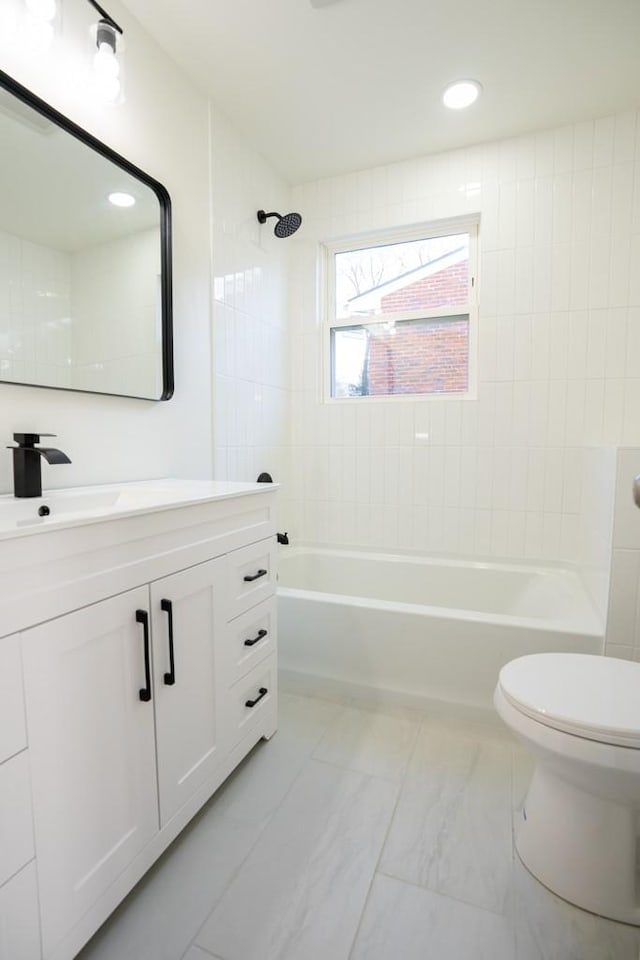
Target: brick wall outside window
point(423, 357)
point(447, 288)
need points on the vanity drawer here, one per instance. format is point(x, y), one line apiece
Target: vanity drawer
point(252, 573)
point(252, 637)
point(19, 921)
point(16, 821)
point(13, 730)
point(251, 698)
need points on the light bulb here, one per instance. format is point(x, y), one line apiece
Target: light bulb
point(108, 88)
point(105, 62)
point(42, 9)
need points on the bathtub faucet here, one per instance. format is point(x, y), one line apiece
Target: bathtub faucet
point(283, 538)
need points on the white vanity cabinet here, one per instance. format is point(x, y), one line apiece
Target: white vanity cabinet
point(92, 753)
point(95, 681)
point(139, 702)
point(19, 926)
point(19, 920)
point(188, 627)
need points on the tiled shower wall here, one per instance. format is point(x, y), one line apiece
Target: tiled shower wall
point(35, 312)
point(559, 355)
point(250, 319)
point(54, 330)
point(115, 337)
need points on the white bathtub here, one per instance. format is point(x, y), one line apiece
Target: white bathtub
point(416, 628)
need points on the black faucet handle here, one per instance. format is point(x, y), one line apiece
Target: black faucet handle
point(30, 439)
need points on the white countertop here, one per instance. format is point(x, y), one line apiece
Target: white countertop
point(77, 506)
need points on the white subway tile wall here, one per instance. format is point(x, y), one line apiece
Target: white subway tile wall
point(522, 471)
point(55, 330)
point(250, 319)
point(35, 311)
point(115, 336)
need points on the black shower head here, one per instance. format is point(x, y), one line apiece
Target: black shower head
point(286, 224)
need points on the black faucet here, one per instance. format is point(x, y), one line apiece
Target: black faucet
point(27, 478)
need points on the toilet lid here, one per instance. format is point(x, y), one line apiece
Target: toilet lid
point(589, 696)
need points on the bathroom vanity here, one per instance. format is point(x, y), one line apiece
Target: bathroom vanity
point(137, 668)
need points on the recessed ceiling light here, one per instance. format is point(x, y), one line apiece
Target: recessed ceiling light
point(121, 199)
point(461, 94)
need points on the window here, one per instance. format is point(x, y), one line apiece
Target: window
point(401, 314)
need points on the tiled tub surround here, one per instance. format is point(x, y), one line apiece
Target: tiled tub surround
point(378, 833)
point(558, 365)
point(414, 628)
point(250, 323)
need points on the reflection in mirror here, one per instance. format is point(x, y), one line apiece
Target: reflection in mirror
point(85, 284)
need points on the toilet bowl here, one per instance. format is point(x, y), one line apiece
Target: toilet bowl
point(579, 828)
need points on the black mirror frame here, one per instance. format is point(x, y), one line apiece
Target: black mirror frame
point(164, 200)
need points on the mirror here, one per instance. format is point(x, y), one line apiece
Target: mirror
point(85, 259)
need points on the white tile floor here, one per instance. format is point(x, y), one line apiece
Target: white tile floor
point(359, 834)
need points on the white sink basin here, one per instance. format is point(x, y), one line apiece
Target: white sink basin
point(82, 505)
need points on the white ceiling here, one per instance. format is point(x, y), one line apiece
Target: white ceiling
point(338, 85)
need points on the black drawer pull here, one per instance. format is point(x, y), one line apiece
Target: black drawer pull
point(250, 577)
point(145, 692)
point(261, 635)
point(262, 693)
point(169, 678)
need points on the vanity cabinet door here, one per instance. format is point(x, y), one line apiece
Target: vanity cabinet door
point(19, 925)
point(188, 620)
point(91, 748)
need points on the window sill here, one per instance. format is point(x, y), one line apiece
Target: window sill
point(403, 398)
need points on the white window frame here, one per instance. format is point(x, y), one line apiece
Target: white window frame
point(434, 228)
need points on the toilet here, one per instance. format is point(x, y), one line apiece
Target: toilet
point(579, 829)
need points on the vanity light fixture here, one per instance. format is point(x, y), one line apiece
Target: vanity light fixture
point(106, 65)
point(121, 199)
point(38, 24)
point(461, 94)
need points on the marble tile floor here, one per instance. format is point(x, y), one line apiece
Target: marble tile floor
point(359, 833)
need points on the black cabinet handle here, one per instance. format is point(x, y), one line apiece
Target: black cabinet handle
point(251, 643)
point(145, 692)
point(169, 678)
point(250, 577)
point(262, 693)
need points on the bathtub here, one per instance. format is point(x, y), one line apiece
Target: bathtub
point(416, 629)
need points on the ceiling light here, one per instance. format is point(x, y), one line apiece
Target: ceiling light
point(121, 199)
point(461, 94)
